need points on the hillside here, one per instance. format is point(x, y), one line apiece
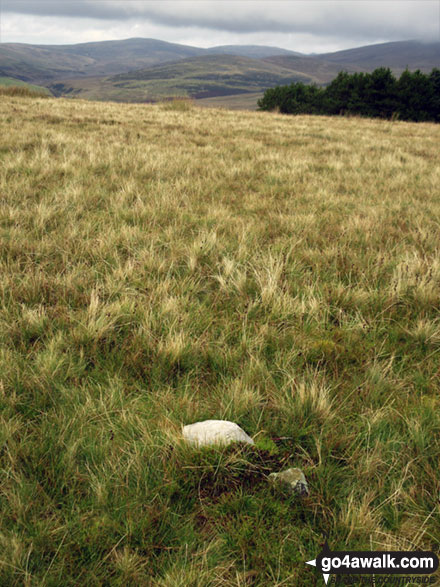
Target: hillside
point(45, 63)
point(397, 56)
point(318, 70)
point(163, 264)
point(139, 70)
point(36, 64)
point(199, 77)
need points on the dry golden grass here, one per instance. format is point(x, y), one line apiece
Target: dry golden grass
point(164, 264)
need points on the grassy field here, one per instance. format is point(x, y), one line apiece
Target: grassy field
point(163, 264)
point(232, 102)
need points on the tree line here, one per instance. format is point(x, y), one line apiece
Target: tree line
point(413, 96)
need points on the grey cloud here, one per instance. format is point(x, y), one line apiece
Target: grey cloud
point(77, 8)
point(369, 19)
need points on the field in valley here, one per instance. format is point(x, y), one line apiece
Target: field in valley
point(164, 264)
point(247, 101)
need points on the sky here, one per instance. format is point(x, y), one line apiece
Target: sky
point(308, 26)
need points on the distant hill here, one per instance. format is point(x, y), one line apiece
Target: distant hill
point(397, 56)
point(45, 63)
point(134, 70)
point(198, 77)
point(37, 64)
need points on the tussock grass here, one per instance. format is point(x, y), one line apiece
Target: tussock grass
point(162, 265)
point(178, 104)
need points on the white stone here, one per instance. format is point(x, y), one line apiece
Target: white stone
point(212, 432)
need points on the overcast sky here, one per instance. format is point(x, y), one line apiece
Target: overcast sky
point(306, 26)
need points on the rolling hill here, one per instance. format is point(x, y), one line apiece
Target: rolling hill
point(139, 70)
point(199, 77)
point(46, 63)
point(397, 56)
point(40, 65)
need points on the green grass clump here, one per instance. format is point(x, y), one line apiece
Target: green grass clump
point(14, 87)
point(162, 266)
point(22, 92)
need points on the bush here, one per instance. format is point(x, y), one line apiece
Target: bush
point(415, 96)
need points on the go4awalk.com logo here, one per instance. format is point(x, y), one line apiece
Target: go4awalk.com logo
point(340, 563)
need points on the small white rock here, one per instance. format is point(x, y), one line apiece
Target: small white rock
point(215, 432)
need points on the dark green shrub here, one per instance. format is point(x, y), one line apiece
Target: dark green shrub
point(414, 96)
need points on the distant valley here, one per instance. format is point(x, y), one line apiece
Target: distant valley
point(146, 70)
